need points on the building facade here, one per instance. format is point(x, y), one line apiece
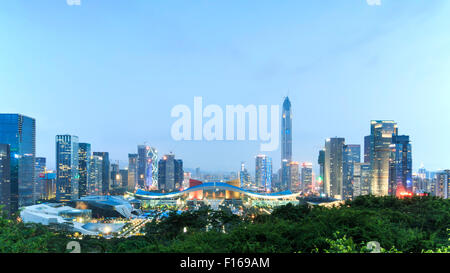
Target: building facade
point(171, 174)
point(352, 155)
point(106, 179)
point(286, 145)
point(132, 172)
point(333, 171)
point(382, 132)
point(19, 132)
point(147, 167)
point(400, 166)
point(84, 155)
point(263, 172)
point(5, 178)
point(67, 175)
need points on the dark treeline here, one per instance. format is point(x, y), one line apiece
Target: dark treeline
point(418, 224)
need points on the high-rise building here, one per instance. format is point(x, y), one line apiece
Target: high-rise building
point(286, 145)
point(244, 176)
point(84, 155)
point(367, 147)
point(294, 169)
point(263, 172)
point(170, 173)
point(381, 134)
point(95, 181)
point(49, 181)
point(307, 177)
point(147, 167)
point(442, 184)
point(352, 155)
point(5, 178)
point(321, 162)
point(115, 176)
point(132, 172)
point(400, 166)
point(39, 170)
point(361, 179)
point(124, 178)
point(333, 171)
point(105, 171)
point(19, 132)
point(67, 175)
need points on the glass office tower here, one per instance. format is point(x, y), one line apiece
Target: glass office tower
point(381, 134)
point(286, 145)
point(333, 171)
point(106, 173)
point(400, 172)
point(352, 155)
point(5, 177)
point(84, 155)
point(19, 132)
point(67, 175)
point(132, 172)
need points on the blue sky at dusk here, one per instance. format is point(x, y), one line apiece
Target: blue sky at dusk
point(110, 71)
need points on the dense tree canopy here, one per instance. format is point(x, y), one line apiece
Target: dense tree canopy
point(418, 224)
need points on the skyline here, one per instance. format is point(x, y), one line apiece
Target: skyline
point(65, 67)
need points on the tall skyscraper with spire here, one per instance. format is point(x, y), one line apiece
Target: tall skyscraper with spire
point(286, 144)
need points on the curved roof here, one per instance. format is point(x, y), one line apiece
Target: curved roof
point(220, 186)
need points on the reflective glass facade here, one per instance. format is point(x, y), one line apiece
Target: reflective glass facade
point(20, 133)
point(67, 175)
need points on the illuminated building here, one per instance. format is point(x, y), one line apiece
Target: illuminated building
point(361, 179)
point(263, 173)
point(233, 194)
point(381, 135)
point(48, 180)
point(84, 154)
point(286, 145)
point(39, 170)
point(400, 166)
point(294, 171)
point(442, 184)
point(352, 155)
point(124, 178)
point(195, 195)
point(367, 147)
point(67, 175)
point(19, 132)
point(95, 181)
point(170, 173)
point(106, 165)
point(147, 167)
point(132, 172)
point(333, 168)
point(115, 176)
point(321, 162)
point(307, 177)
point(244, 177)
point(5, 177)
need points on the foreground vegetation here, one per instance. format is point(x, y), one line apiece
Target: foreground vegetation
point(414, 225)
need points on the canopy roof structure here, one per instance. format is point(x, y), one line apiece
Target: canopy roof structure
point(212, 186)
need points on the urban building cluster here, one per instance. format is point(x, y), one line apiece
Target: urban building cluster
point(385, 168)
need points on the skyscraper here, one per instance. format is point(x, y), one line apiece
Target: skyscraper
point(105, 171)
point(132, 172)
point(5, 178)
point(263, 172)
point(19, 132)
point(244, 177)
point(171, 174)
point(381, 134)
point(67, 175)
point(124, 179)
point(367, 147)
point(352, 155)
point(333, 171)
point(84, 155)
point(307, 177)
point(400, 166)
point(286, 144)
point(115, 176)
point(95, 180)
point(321, 162)
point(361, 179)
point(39, 171)
point(147, 167)
point(294, 169)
